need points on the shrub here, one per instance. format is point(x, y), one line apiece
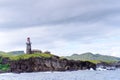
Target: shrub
point(4, 67)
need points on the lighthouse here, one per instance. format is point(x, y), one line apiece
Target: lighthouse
point(28, 46)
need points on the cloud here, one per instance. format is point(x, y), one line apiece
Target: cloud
point(50, 12)
point(61, 26)
point(62, 41)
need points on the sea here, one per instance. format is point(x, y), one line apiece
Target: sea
point(68, 75)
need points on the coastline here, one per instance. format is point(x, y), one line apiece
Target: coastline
point(39, 64)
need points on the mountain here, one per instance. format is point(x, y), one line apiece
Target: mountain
point(92, 57)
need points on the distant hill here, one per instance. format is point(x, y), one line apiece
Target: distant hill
point(1, 52)
point(12, 53)
point(16, 52)
point(92, 57)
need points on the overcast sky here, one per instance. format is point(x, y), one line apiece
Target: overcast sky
point(63, 27)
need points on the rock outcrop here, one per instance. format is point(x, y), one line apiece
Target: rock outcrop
point(48, 64)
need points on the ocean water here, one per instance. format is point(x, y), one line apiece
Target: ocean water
point(69, 75)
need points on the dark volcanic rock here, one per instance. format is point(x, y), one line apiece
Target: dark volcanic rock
point(117, 65)
point(104, 64)
point(109, 66)
point(47, 64)
point(5, 60)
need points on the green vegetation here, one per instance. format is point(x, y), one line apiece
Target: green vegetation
point(25, 56)
point(95, 58)
point(4, 67)
point(94, 61)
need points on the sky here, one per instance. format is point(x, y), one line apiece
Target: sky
point(63, 27)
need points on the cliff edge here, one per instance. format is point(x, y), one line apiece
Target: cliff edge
point(38, 63)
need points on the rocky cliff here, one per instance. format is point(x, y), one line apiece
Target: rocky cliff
point(46, 64)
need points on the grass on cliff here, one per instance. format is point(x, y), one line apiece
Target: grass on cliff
point(25, 56)
point(94, 61)
point(3, 67)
